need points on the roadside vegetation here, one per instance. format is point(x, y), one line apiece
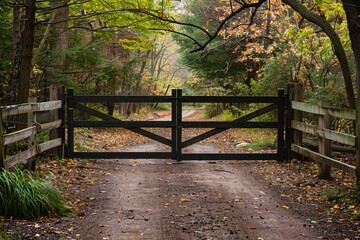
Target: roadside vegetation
point(29, 196)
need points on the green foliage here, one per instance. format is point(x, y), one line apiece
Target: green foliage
point(163, 106)
point(28, 196)
point(353, 195)
point(217, 66)
point(212, 110)
point(335, 193)
point(261, 144)
point(4, 236)
point(5, 46)
point(80, 147)
point(261, 139)
point(356, 215)
point(335, 94)
point(275, 74)
point(227, 116)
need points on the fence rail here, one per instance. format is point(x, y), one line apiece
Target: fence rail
point(52, 123)
point(322, 131)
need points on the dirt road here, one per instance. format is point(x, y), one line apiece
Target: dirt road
point(163, 199)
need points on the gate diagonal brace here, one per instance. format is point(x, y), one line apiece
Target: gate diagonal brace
point(140, 131)
point(215, 131)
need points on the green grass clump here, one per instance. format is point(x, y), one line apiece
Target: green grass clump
point(26, 196)
point(227, 116)
point(333, 194)
point(261, 144)
point(4, 236)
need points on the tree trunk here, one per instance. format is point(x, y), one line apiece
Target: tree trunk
point(352, 10)
point(27, 44)
point(335, 40)
point(14, 76)
point(60, 41)
point(25, 55)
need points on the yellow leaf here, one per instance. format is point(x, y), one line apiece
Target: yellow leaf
point(352, 206)
point(285, 207)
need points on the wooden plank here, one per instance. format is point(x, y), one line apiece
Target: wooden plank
point(298, 95)
point(335, 112)
point(229, 99)
point(50, 125)
point(328, 134)
point(324, 143)
point(309, 108)
point(323, 159)
point(31, 141)
point(20, 157)
point(18, 109)
point(48, 145)
point(19, 135)
point(30, 107)
point(121, 99)
point(342, 113)
point(51, 105)
point(357, 130)
point(55, 94)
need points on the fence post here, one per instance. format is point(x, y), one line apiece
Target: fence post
point(357, 131)
point(298, 95)
point(178, 124)
point(2, 146)
point(174, 123)
point(289, 132)
point(324, 144)
point(281, 125)
point(62, 117)
point(55, 93)
point(70, 122)
point(31, 142)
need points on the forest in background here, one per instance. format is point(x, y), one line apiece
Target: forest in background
point(208, 47)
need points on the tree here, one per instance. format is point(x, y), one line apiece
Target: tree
point(60, 18)
point(238, 9)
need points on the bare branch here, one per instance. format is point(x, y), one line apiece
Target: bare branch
point(230, 16)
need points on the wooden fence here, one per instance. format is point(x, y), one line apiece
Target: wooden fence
point(41, 117)
point(322, 130)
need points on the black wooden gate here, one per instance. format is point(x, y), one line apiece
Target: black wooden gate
point(177, 125)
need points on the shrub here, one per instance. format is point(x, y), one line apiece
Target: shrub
point(27, 196)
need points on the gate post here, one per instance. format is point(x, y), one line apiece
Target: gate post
point(174, 124)
point(178, 124)
point(281, 125)
point(324, 144)
point(289, 133)
point(70, 122)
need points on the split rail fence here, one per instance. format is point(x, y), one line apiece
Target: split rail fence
point(297, 126)
point(41, 117)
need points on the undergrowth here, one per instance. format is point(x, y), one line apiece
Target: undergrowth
point(341, 194)
point(28, 196)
